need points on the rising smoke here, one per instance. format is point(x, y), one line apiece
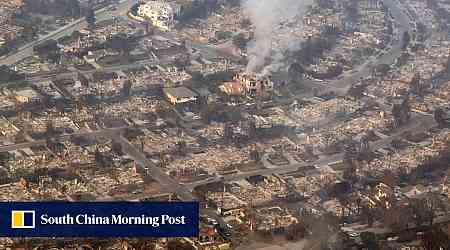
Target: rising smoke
point(271, 40)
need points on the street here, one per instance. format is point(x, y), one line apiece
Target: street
point(340, 86)
point(422, 124)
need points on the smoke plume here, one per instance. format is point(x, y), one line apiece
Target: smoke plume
point(271, 38)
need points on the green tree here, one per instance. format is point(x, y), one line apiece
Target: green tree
point(369, 240)
point(73, 8)
point(90, 18)
point(406, 39)
point(5, 157)
point(29, 32)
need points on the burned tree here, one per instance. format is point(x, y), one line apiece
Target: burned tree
point(181, 148)
point(295, 72)
point(401, 113)
point(440, 117)
point(417, 87)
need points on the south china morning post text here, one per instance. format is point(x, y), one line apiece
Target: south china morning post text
point(99, 219)
point(115, 219)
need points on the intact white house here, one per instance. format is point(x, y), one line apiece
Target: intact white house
point(160, 13)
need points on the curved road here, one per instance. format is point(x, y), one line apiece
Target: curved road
point(341, 86)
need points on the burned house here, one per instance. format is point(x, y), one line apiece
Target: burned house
point(250, 85)
point(180, 95)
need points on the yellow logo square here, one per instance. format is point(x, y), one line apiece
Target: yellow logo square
point(22, 219)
